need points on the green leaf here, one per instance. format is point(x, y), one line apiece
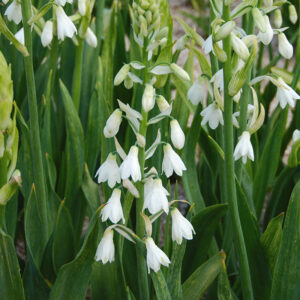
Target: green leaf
point(268, 162)
point(271, 240)
point(205, 224)
point(10, 279)
point(224, 292)
point(63, 238)
point(195, 286)
point(73, 278)
point(286, 272)
point(160, 286)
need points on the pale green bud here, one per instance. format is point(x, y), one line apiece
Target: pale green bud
point(259, 20)
point(268, 3)
point(121, 75)
point(239, 47)
point(148, 16)
point(148, 99)
point(140, 140)
point(143, 25)
point(293, 14)
point(277, 18)
point(220, 53)
point(128, 83)
point(179, 72)
point(224, 31)
point(162, 103)
point(162, 33)
point(145, 4)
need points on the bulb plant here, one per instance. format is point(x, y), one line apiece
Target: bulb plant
point(127, 174)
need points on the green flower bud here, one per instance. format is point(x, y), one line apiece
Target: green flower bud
point(179, 72)
point(220, 53)
point(121, 75)
point(259, 20)
point(224, 31)
point(277, 18)
point(293, 14)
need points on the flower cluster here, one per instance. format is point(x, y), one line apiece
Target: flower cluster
point(135, 173)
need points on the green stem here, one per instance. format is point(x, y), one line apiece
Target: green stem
point(140, 224)
point(76, 86)
point(35, 142)
point(229, 170)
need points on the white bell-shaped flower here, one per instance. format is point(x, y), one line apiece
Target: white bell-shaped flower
point(113, 124)
point(131, 114)
point(197, 92)
point(181, 227)
point(65, 27)
point(284, 46)
point(113, 208)
point(285, 94)
point(106, 248)
point(148, 99)
point(208, 45)
point(219, 78)
point(239, 47)
point(109, 171)
point(91, 38)
point(296, 135)
point(130, 167)
point(244, 148)
point(20, 36)
point(82, 7)
point(47, 34)
point(177, 135)
point(155, 196)
point(14, 12)
point(212, 115)
point(172, 162)
point(155, 256)
point(121, 75)
point(266, 37)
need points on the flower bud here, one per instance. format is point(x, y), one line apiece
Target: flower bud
point(284, 46)
point(121, 74)
point(277, 18)
point(220, 53)
point(293, 14)
point(266, 37)
point(239, 47)
point(224, 31)
point(113, 123)
point(82, 7)
point(140, 140)
point(162, 103)
point(259, 20)
point(268, 3)
point(177, 135)
point(148, 100)
point(91, 38)
point(47, 34)
point(296, 135)
point(179, 72)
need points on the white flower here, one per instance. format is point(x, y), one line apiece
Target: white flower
point(266, 37)
point(208, 45)
point(213, 115)
point(162, 103)
point(14, 12)
point(20, 36)
point(277, 18)
point(148, 99)
point(177, 135)
point(109, 171)
point(113, 124)
point(65, 27)
point(155, 256)
point(133, 115)
point(244, 148)
point(179, 72)
point(218, 76)
point(113, 208)
point(293, 14)
point(285, 94)
point(181, 227)
point(121, 75)
point(197, 92)
point(239, 47)
point(5, 1)
point(82, 7)
point(296, 135)
point(47, 34)
point(91, 38)
point(130, 166)
point(106, 248)
point(155, 196)
point(284, 46)
point(63, 2)
point(172, 162)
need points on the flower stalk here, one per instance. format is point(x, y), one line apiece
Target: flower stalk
point(229, 169)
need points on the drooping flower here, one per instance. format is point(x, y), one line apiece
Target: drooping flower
point(121, 75)
point(14, 12)
point(197, 92)
point(181, 227)
point(109, 171)
point(82, 7)
point(106, 248)
point(155, 256)
point(91, 38)
point(113, 124)
point(130, 167)
point(155, 196)
point(20, 36)
point(113, 208)
point(244, 148)
point(172, 162)
point(148, 99)
point(285, 94)
point(285, 48)
point(133, 115)
point(63, 2)
point(177, 135)
point(47, 34)
point(212, 115)
point(266, 37)
point(219, 78)
point(65, 27)
point(239, 47)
